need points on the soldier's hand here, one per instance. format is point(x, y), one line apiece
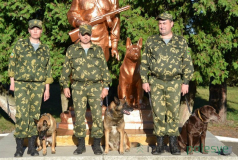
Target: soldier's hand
point(67, 92)
point(104, 93)
point(184, 89)
point(12, 87)
point(146, 87)
point(115, 54)
point(46, 95)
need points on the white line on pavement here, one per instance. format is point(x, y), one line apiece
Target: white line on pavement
point(227, 139)
point(2, 135)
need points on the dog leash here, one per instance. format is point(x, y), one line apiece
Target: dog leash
point(187, 104)
point(8, 105)
point(107, 110)
point(150, 104)
point(107, 101)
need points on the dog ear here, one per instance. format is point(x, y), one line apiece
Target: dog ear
point(45, 123)
point(36, 121)
point(139, 43)
point(128, 42)
point(116, 100)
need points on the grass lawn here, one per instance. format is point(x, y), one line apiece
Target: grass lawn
point(6, 123)
point(53, 106)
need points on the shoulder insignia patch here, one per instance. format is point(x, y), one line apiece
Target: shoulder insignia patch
point(12, 55)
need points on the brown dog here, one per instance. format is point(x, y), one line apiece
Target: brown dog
point(130, 83)
point(46, 127)
point(115, 135)
point(194, 130)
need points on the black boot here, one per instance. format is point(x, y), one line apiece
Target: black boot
point(19, 151)
point(160, 146)
point(31, 146)
point(81, 146)
point(96, 146)
point(173, 145)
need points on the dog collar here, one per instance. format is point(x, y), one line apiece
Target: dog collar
point(200, 116)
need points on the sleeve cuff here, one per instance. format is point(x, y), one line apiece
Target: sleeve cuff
point(144, 80)
point(11, 74)
point(185, 81)
point(49, 80)
point(105, 85)
point(66, 84)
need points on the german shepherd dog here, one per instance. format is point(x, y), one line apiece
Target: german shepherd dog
point(46, 127)
point(115, 136)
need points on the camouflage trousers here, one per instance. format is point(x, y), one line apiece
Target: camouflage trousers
point(165, 97)
point(83, 92)
point(28, 97)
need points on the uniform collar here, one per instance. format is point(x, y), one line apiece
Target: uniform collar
point(29, 42)
point(172, 38)
point(91, 46)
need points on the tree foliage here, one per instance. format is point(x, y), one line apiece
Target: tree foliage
point(214, 41)
point(14, 18)
point(209, 26)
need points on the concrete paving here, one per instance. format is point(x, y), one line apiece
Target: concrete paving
point(8, 146)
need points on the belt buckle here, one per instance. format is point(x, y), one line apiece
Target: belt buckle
point(88, 83)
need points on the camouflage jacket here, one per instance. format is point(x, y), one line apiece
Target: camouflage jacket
point(167, 62)
point(90, 67)
point(28, 65)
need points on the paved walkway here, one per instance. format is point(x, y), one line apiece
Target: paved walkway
point(8, 146)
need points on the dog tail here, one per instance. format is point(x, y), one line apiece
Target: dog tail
point(135, 144)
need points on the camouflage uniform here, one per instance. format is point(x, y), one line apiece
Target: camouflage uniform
point(169, 65)
point(31, 71)
point(90, 75)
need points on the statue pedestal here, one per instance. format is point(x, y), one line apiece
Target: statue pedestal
point(138, 119)
point(138, 125)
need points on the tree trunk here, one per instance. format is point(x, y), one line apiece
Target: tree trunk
point(184, 112)
point(217, 99)
point(11, 111)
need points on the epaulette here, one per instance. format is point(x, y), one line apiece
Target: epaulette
point(180, 37)
point(22, 41)
point(45, 45)
point(72, 45)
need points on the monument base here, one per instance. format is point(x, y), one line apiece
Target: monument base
point(65, 137)
point(138, 126)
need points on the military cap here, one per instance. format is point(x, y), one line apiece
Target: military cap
point(165, 16)
point(35, 23)
point(85, 28)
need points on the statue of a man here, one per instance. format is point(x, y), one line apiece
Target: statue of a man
point(82, 11)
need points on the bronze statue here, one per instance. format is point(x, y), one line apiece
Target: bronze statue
point(86, 11)
point(130, 84)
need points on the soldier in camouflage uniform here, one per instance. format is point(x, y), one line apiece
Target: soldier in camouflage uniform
point(30, 75)
point(90, 75)
point(167, 61)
